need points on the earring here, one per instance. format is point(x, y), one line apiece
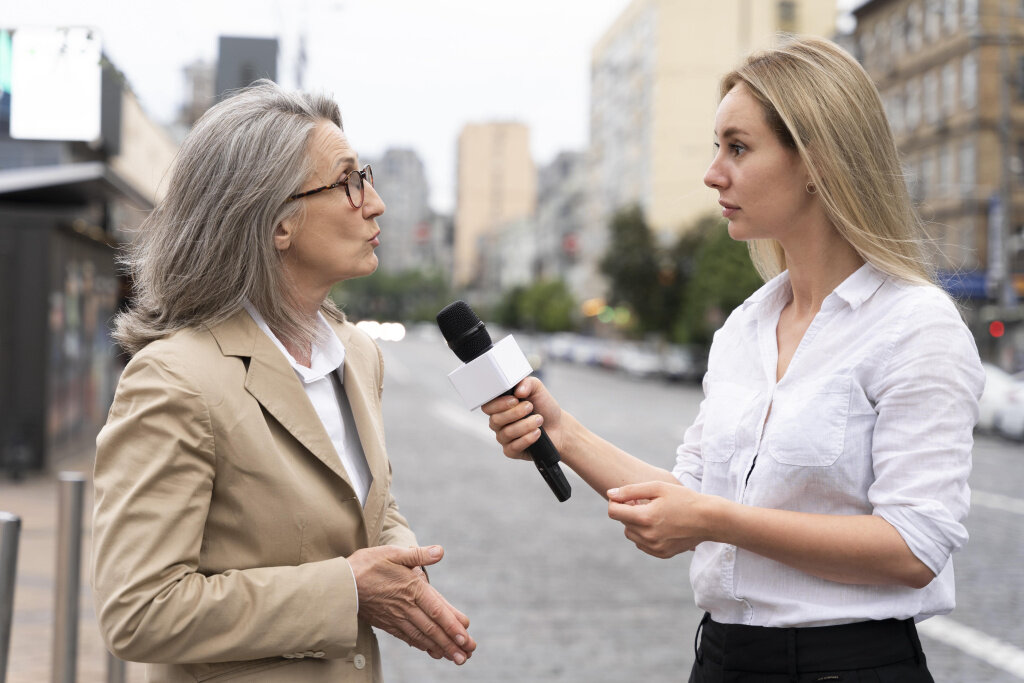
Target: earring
point(811, 189)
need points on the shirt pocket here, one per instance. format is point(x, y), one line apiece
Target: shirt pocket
point(808, 426)
point(724, 406)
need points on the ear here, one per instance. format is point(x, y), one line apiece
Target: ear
point(284, 233)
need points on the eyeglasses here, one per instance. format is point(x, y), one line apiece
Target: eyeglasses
point(353, 183)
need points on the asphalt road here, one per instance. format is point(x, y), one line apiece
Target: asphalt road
point(556, 593)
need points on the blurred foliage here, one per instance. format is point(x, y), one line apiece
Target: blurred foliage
point(722, 277)
point(544, 306)
point(681, 292)
point(409, 296)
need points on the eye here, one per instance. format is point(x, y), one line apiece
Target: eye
point(737, 149)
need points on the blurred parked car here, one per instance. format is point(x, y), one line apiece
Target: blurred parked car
point(684, 363)
point(998, 384)
point(1009, 417)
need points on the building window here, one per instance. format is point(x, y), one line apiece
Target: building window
point(787, 15)
point(931, 97)
point(948, 89)
point(970, 12)
point(896, 112)
point(913, 27)
point(969, 82)
point(949, 15)
point(932, 20)
point(913, 108)
point(896, 34)
point(945, 170)
point(967, 177)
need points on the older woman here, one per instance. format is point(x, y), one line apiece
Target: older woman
point(244, 526)
point(824, 482)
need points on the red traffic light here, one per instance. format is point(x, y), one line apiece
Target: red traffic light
point(996, 328)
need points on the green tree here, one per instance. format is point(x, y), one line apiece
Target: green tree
point(720, 276)
point(544, 306)
point(639, 273)
point(407, 296)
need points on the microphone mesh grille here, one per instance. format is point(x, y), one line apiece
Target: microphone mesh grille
point(456, 320)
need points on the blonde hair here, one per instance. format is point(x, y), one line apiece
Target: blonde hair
point(822, 103)
point(208, 246)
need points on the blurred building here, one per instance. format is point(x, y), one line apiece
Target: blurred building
point(954, 96)
point(561, 222)
point(497, 184)
point(80, 166)
point(406, 226)
point(654, 93)
point(240, 61)
point(200, 93)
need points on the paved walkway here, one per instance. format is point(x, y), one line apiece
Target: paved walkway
point(34, 499)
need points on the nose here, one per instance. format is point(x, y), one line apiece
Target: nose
point(373, 205)
point(715, 177)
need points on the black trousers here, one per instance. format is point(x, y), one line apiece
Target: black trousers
point(877, 651)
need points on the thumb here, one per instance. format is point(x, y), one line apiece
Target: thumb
point(419, 557)
point(644, 491)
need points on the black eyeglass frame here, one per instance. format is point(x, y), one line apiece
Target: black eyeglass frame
point(365, 174)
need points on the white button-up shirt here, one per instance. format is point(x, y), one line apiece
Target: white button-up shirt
point(874, 416)
point(329, 401)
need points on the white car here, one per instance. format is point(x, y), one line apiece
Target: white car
point(998, 385)
point(1009, 417)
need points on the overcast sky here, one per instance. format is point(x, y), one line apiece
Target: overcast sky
point(406, 72)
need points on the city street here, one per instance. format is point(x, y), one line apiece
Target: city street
point(556, 593)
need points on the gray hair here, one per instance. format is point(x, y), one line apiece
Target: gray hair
point(209, 245)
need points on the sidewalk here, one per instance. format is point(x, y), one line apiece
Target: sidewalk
point(34, 499)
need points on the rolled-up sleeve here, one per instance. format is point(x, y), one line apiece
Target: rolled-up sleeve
point(926, 399)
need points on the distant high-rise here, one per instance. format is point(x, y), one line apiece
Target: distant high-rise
point(407, 223)
point(199, 91)
point(497, 183)
point(654, 92)
point(240, 61)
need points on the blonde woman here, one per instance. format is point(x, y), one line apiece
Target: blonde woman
point(823, 485)
point(244, 525)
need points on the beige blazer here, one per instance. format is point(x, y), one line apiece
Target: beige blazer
point(223, 515)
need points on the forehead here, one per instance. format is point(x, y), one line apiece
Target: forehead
point(329, 149)
point(739, 109)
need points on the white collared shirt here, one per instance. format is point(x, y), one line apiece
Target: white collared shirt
point(330, 402)
point(874, 416)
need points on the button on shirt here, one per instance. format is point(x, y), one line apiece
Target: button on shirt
point(322, 382)
point(874, 416)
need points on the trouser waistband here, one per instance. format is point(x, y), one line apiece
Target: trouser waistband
point(764, 649)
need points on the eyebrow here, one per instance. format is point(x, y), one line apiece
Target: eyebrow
point(733, 132)
point(344, 161)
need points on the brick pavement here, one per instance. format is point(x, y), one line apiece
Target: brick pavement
point(34, 499)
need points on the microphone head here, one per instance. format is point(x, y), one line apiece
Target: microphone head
point(463, 330)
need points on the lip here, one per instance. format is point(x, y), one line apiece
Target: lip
point(375, 240)
point(728, 209)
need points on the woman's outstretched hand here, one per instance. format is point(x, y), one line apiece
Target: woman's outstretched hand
point(662, 519)
point(515, 426)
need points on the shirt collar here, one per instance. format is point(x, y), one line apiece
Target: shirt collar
point(328, 352)
point(854, 290)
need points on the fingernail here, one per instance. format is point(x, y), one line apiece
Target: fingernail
point(460, 659)
point(612, 492)
point(460, 639)
point(435, 551)
point(529, 406)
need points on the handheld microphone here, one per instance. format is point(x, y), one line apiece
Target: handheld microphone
point(468, 338)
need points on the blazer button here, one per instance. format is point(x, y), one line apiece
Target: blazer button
point(319, 654)
point(359, 661)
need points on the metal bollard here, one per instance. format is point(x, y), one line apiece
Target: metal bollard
point(115, 669)
point(10, 528)
point(69, 567)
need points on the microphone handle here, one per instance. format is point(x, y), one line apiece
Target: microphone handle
point(545, 457)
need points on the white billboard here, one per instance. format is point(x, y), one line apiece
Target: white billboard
point(55, 84)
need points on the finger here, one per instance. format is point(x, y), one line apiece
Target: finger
point(507, 417)
point(516, 447)
point(515, 430)
point(438, 622)
point(627, 513)
point(417, 557)
point(499, 405)
point(647, 489)
point(414, 638)
point(528, 386)
point(427, 623)
point(463, 619)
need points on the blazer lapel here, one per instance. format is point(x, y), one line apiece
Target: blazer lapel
point(272, 382)
point(362, 396)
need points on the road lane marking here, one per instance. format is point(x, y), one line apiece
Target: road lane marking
point(975, 643)
point(997, 501)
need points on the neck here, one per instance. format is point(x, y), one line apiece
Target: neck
point(816, 267)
